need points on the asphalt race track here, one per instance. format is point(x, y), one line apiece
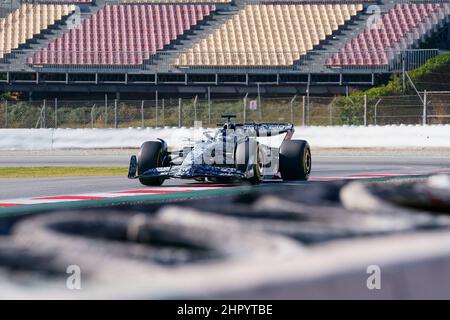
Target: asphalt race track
point(326, 164)
point(291, 240)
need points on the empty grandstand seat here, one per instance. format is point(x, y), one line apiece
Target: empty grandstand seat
point(396, 30)
point(122, 34)
point(27, 21)
point(269, 35)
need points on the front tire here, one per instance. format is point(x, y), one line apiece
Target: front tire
point(295, 160)
point(247, 157)
point(150, 156)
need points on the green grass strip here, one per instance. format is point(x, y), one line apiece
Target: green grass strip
point(56, 171)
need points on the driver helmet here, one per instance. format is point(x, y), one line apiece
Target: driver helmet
point(229, 126)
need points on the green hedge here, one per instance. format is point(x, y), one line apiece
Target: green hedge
point(395, 85)
point(352, 105)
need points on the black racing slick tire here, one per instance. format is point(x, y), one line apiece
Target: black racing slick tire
point(150, 156)
point(295, 160)
point(245, 152)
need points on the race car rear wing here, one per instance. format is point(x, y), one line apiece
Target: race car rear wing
point(267, 129)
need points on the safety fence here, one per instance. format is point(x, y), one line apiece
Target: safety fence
point(425, 108)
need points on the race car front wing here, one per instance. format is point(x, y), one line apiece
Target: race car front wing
point(184, 172)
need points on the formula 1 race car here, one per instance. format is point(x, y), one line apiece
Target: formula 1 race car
point(233, 152)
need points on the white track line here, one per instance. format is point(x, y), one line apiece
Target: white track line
point(103, 195)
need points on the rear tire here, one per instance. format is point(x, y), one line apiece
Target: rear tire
point(295, 160)
point(150, 156)
point(245, 152)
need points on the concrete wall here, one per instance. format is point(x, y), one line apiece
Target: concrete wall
point(323, 137)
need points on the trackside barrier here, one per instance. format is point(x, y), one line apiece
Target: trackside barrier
point(412, 136)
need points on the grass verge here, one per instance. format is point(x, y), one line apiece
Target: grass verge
point(44, 172)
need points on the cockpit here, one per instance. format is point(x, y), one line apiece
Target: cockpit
point(229, 126)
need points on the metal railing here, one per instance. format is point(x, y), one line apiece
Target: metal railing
point(396, 60)
point(430, 108)
point(168, 1)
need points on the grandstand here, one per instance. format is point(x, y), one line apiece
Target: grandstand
point(221, 46)
point(26, 21)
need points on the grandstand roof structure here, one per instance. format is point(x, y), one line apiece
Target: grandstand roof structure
point(228, 46)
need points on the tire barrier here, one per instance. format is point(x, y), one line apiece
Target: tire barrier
point(23, 270)
point(322, 219)
point(23, 259)
point(404, 198)
point(299, 242)
point(152, 239)
point(115, 234)
point(108, 246)
point(434, 195)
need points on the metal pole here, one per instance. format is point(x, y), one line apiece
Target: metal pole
point(209, 106)
point(142, 114)
point(44, 118)
point(403, 72)
point(365, 110)
point(156, 108)
point(92, 116)
point(56, 113)
point(195, 109)
point(6, 113)
point(292, 108)
point(115, 113)
point(303, 111)
point(179, 112)
point(331, 114)
point(106, 110)
point(163, 119)
point(375, 115)
point(413, 86)
point(259, 101)
point(39, 121)
point(307, 102)
point(424, 114)
point(245, 108)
